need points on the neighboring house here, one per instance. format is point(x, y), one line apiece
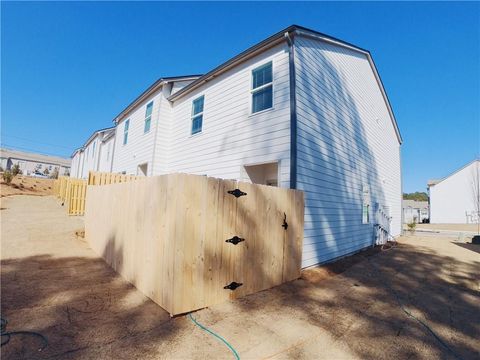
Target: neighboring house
point(144, 129)
point(31, 163)
point(414, 211)
point(455, 199)
point(300, 110)
point(95, 155)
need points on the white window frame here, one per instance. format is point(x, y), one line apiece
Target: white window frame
point(149, 117)
point(193, 116)
point(126, 129)
point(365, 205)
point(252, 90)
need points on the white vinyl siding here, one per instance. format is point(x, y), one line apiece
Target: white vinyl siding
point(341, 147)
point(233, 137)
point(105, 158)
point(452, 200)
point(140, 147)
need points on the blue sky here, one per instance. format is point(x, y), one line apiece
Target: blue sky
point(69, 68)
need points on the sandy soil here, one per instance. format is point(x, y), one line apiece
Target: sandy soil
point(54, 284)
point(26, 185)
point(453, 227)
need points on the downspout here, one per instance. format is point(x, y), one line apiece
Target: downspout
point(156, 129)
point(293, 111)
point(113, 149)
point(402, 215)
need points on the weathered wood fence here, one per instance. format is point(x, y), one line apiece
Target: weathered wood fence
point(72, 192)
point(188, 241)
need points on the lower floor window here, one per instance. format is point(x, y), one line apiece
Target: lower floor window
point(366, 214)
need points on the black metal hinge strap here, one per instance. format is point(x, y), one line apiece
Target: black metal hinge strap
point(235, 240)
point(237, 193)
point(232, 286)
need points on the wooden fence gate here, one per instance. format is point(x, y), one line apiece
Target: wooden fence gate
point(189, 241)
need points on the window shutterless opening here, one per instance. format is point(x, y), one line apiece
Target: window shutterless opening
point(197, 115)
point(262, 88)
point(148, 117)
point(125, 131)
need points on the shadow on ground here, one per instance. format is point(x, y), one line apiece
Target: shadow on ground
point(360, 307)
point(87, 311)
point(470, 246)
point(77, 303)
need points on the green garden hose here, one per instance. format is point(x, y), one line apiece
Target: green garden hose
point(234, 352)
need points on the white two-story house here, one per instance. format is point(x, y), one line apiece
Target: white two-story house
point(95, 155)
point(300, 110)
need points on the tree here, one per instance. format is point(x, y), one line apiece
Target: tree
point(417, 196)
point(7, 176)
point(16, 170)
point(54, 174)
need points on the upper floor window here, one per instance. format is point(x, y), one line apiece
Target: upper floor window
point(197, 114)
point(125, 131)
point(262, 88)
point(148, 117)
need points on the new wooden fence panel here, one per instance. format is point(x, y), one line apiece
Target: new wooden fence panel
point(75, 198)
point(167, 236)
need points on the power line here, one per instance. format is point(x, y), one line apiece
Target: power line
point(14, 147)
point(36, 142)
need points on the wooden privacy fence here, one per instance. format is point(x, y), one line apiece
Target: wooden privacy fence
point(188, 241)
point(76, 194)
point(104, 178)
point(72, 192)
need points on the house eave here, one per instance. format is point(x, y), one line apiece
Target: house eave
point(149, 91)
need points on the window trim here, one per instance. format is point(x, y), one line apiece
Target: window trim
point(194, 116)
point(261, 87)
point(148, 117)
point(126, 129)
point(366, 216)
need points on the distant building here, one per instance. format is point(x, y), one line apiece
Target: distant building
point(454, 199)
point(30, 163)
point(414, 211)
point(95, 155)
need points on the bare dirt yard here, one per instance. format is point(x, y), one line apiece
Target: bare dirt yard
point(52, 283)
point(452, 227)
point(26, 185)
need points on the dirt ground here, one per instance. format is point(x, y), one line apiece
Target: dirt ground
point(453, 227)
point(26, 185)
point(52, 283)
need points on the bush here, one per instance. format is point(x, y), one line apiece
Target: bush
point(7, 176)
point(412, 226)
point(54, 174)
point(16, 170)
point(46, 172)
